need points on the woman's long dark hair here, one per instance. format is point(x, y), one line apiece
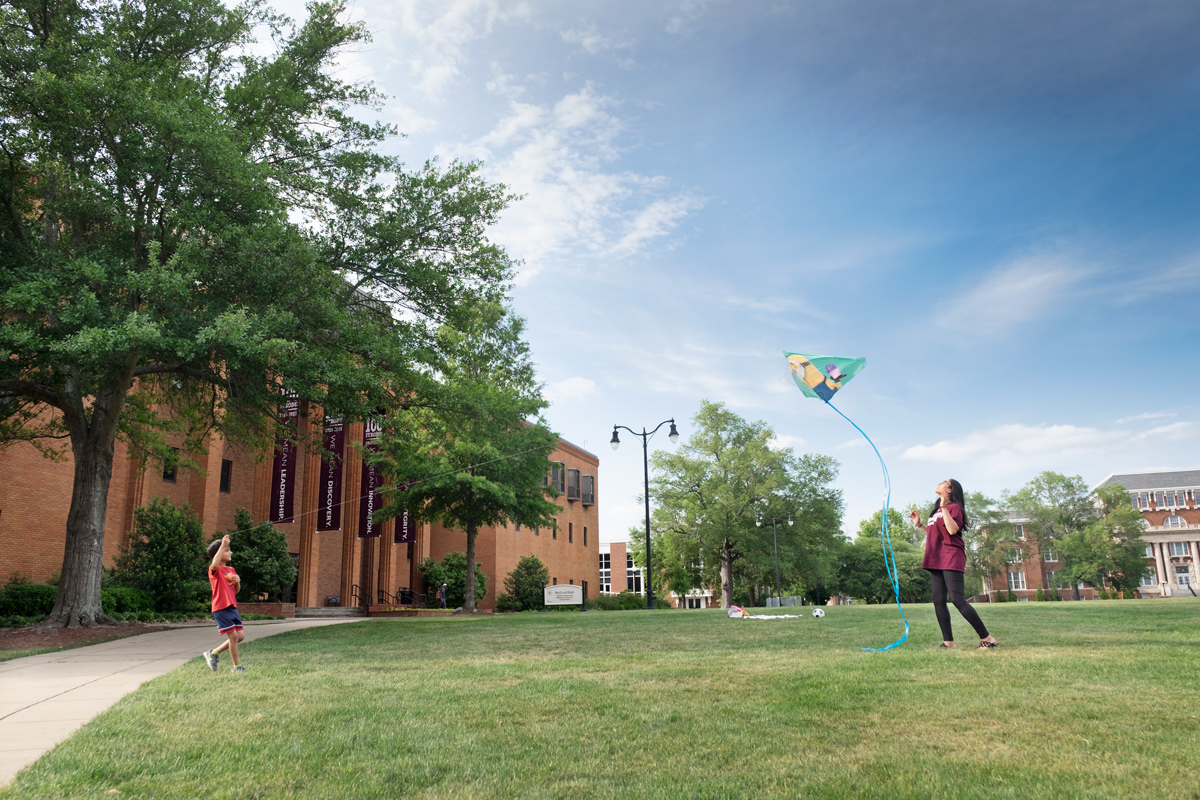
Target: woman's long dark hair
point(956, 496)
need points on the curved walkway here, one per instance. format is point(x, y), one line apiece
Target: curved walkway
point(46, 698)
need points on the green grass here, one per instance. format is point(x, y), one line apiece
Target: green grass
point(1081, 700)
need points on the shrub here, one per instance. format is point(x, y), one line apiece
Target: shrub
point(523, 588)
point(260, 556)
point(625, 601)
point(165, 557)
point(1040, 596)
point(122, 599)
point(27, 600)
point(451, 570)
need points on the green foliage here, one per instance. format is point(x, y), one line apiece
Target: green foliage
point(523, 586)
point(1054, 593)
point(260, 556)
point(474, 453)
point(710, 495)
point(165, 557)
point(1108, 549)
point(451, 570)
point(27, 599)
point(192, 218)
point(625, 601)
point(1039, 596)
point(864, 574)
point(125, 599)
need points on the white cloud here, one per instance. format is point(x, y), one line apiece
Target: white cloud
point(1018, 448)
point(569, 389)
point(575, 205)
point(783, 441)
point(593, 42)
point(1026, 289)
point(1147, 415)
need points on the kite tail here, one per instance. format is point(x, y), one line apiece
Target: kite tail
point(889, 555)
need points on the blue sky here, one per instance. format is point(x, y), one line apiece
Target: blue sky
point(996, 204)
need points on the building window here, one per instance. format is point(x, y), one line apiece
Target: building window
point(1050, 556)
point(171, 466)
point(1014, 556)
point(1174, 521)
point(1143, 502)
point(570, 533)
point(1019, 531)
point(1149, 578)
point(605, 572)
point(587, 490)
point(1016, 581)
point(572, 484)
point(1050, 578)
point(1159, 500)
point(1149, 551)
point(557, 479)
point(585, 535)
point(1183, 576)
point(1177, 548)
point(554, 530)
point(226, 475)
point(633, 576)
point(537, 530)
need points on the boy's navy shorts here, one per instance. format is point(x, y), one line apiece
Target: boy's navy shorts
point(227, 619)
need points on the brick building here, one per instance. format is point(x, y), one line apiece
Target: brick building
point(1168, 502)
point(35, 498)
point(1170, 506)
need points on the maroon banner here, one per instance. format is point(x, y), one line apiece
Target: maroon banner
point(406, 529)
point(371, 500)
point(329, 512)
point(283, 467)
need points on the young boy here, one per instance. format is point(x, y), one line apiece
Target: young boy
point(225, 583)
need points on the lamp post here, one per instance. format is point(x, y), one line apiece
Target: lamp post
point(615, 442)
point(759, 521)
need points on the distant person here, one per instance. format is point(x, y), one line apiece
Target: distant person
point(441, 595)
point(225, 584)
point(946, 560)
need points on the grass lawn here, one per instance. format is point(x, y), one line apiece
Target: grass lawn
point(1081, 700)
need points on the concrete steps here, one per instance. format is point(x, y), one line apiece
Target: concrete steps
point(321, 612)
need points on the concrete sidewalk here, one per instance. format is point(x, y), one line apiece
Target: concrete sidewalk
point(46, 698)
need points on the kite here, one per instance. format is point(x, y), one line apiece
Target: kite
point(820, 377)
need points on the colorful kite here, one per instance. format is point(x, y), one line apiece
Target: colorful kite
point(820, 377)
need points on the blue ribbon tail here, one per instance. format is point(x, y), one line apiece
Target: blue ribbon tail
point(889, 555)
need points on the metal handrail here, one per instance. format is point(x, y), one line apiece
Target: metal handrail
point(357, 597)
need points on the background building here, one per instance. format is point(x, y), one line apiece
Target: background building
point(336, 563)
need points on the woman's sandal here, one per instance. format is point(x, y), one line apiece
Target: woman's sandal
point(986, 645)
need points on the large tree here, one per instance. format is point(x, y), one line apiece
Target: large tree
point(189, 228)
point(711, 492)
point(1109, 549)
point(1049, 508)
point(472, 451)
point(865, 574)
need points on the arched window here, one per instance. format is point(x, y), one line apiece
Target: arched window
point(1174, 521)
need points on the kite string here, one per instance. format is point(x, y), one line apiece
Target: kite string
point(889, 555)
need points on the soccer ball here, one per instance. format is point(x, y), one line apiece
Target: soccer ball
point(818, 612)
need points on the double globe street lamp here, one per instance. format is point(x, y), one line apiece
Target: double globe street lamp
point(759, 520)
point(673, 435)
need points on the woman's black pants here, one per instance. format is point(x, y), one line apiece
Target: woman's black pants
point(941, 581)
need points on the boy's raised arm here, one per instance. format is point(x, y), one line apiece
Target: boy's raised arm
point(224, 548)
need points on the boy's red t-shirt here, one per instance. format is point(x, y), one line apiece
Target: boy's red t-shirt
point(943, 551)
point(222, 587)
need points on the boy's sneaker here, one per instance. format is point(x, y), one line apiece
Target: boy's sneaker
point(211, 659)
point(238, 668)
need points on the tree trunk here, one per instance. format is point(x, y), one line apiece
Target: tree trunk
point(726, 573)
point(78, 600)
point(469, 599)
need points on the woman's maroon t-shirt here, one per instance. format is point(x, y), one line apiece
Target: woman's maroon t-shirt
point(943, 551)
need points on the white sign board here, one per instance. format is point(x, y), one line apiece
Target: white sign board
point(562, 595)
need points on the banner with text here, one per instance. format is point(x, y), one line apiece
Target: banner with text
point(406, 528)
point(329, 513)
point(371, 500)
point(283, 467)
